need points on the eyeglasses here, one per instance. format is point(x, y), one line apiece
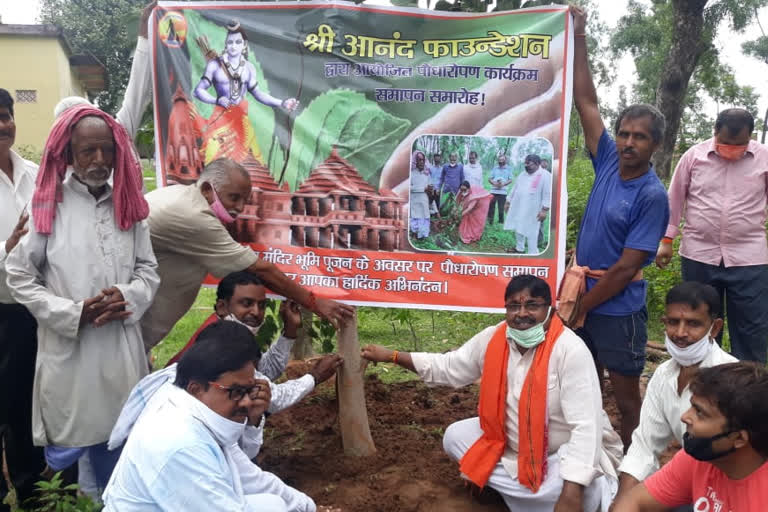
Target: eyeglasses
point(237, 393)
point(532, 307)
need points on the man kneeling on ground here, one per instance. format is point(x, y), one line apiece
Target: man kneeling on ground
point(692, 321)
point(722, 466)
point(240, 298)
point(542, 439)
point(183, 452)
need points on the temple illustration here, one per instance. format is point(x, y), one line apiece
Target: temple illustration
point(333, 208)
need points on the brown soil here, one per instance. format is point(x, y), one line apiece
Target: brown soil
point(410, 471)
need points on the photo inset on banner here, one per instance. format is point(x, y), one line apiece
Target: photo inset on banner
point(488, 195)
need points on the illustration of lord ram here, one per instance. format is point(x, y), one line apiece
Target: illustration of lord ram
point(228, 132)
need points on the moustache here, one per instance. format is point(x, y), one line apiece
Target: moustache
point(628, 151)
point(524, 320)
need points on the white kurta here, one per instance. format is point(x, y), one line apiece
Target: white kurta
point(14, 197)
point(138, 92)
point(83, 374)
point(660, 421)
point(182, 456)
point(576, 417)
point(419, 199)
point(473, 173)
point(529, 194)
point(284, 395)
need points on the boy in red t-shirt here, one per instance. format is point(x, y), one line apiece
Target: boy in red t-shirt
point(723, 466)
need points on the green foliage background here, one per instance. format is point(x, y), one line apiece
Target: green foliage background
point(107, 29)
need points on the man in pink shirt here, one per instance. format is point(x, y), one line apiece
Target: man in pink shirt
point(722, 467)
point(722, 185)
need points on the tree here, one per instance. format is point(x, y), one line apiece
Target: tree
point(672, 41)
point(353, 414)
point(107, 29)
point(758, 48)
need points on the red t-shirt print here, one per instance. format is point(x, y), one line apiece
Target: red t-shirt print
point(685, 480)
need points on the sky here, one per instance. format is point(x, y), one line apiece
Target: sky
point(748, 71)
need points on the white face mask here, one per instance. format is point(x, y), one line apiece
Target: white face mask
point(692, 354)
point(233, 318)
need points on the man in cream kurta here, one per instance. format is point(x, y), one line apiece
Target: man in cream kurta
point(189, 242)
point(83, 373)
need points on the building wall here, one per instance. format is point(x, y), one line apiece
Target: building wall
point(39, 64)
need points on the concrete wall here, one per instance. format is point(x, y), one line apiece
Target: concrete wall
point(36, 63)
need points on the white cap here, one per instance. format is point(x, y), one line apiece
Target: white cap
point(69, 101)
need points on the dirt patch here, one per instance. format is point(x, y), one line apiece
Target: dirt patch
point(410, 471)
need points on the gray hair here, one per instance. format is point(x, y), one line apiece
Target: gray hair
point(658, 123)
point(68, 102)
point(217, 172)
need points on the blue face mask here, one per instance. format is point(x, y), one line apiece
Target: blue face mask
point(529, 338)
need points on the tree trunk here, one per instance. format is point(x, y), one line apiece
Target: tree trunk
point(302, 348)
point(765, 127)
point(353, 415)
point(681, 61)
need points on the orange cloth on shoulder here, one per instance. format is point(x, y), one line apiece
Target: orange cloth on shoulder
point(479, 461)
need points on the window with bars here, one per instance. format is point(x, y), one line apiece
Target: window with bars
point(26, 96)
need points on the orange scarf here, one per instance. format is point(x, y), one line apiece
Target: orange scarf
point(479, 461)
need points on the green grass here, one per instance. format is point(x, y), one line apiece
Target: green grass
point(451, 330)
point(185, 328)
point(150, 178)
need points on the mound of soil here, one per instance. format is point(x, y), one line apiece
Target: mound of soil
point(410, 471)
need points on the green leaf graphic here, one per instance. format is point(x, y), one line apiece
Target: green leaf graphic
point(362, 132)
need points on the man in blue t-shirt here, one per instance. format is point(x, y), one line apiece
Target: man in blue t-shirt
point(624, 221)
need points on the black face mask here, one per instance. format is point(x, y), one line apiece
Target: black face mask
point(700, 448)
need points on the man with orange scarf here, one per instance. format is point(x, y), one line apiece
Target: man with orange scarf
point(87, 273)
point(541, 439)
